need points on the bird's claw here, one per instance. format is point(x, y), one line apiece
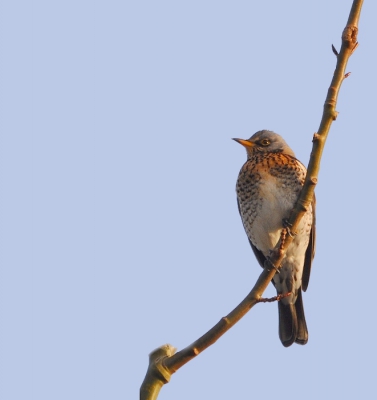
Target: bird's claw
point(272, 299)
point(268, 259)
point(287, 226)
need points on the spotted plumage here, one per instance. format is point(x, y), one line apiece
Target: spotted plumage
point(267, 188)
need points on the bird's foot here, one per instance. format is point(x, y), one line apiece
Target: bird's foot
point(287, 226)
point(282, 295)
point(276, 298)
point(271, 264)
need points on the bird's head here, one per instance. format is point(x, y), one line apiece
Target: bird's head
point(265, 142)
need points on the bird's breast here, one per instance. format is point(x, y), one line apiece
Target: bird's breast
point(267, 192)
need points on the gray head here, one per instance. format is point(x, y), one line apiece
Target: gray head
point(265, 142)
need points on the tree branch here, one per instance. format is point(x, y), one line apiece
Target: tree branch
point(163, 362)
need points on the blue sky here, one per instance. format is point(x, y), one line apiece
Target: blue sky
point(119, 225)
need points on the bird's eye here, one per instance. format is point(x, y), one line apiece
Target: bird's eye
point(265, 142)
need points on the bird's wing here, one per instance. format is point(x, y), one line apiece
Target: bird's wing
point(258, 254)
point(310, 251)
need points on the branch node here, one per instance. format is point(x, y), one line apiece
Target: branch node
point(315, 137)
point(313, 180)
point(156, 367)
point(302, 205)
point(347, 75)
point(349, 36)
point(355, 47)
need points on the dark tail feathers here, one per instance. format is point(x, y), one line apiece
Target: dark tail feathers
point(292, 324)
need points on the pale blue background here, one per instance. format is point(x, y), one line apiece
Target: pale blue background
point(119, 225)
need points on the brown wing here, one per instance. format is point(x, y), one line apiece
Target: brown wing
point(310, 251)
point(258, 254)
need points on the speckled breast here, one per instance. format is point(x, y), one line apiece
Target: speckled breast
point(267, 188)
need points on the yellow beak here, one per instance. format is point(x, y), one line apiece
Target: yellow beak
point(245, 143)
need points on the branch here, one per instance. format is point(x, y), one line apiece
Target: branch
point(163, 362)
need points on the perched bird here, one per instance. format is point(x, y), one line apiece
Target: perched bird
point(268, 186)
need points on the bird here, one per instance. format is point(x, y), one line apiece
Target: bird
point(267, 188)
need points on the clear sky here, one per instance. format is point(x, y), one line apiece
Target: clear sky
point(119, 225)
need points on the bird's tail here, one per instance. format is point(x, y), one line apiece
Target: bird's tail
point(292, 324)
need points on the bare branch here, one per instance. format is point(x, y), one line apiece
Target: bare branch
point(165, 363)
